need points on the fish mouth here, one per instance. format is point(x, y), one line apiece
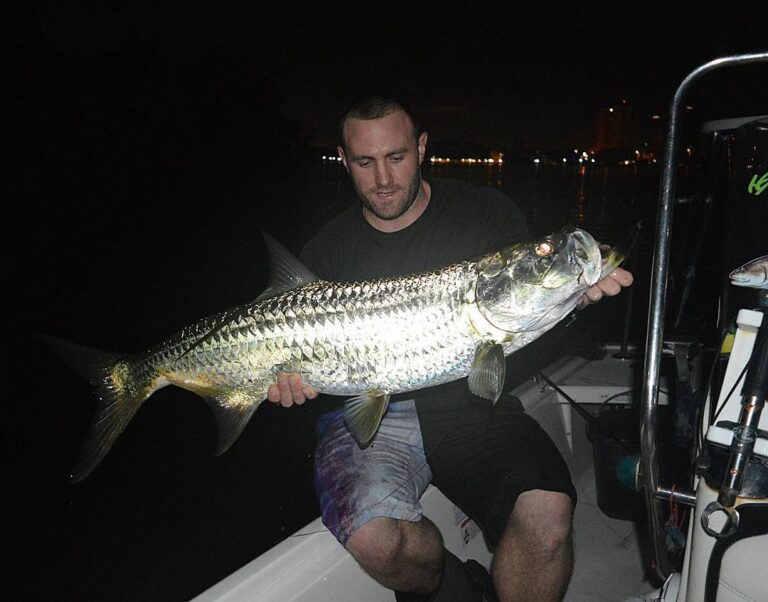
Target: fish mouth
point(739, 277)
point(586, 255)
point(579, 260)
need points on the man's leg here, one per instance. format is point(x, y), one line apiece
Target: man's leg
point(534, 557)
point(409, 557)
point(401, 555)
point(369, 499)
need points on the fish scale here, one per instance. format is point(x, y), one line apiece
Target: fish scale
point(366, 339)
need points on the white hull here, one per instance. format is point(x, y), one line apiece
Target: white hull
point(611, 563)
point(312, 566)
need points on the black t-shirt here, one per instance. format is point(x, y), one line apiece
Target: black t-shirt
point(460, 222)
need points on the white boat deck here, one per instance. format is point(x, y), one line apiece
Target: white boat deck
point(609, 564)
point(608, 558)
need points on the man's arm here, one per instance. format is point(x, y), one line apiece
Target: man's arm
point(289, 388)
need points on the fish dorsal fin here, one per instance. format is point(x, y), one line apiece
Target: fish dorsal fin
point(287, 272)
point(233, 409)
point(363, 414)
point(488, 370)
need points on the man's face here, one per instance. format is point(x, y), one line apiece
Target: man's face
point(383, 158)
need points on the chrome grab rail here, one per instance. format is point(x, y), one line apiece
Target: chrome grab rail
point(649, 468)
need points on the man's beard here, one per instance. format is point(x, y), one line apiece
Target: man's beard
point(411, 192)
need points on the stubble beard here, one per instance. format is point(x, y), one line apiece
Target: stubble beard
point(408, 198)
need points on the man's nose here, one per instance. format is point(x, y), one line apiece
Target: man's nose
point(383, 174)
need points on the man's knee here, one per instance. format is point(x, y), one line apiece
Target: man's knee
point(543, 519)
point(377, 545)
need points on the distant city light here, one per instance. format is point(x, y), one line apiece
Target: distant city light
point(537, 160)
point(565, 160)
point(469, 160)
point(610, 109)
point(656, 117)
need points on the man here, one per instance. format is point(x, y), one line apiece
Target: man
point(498, 466)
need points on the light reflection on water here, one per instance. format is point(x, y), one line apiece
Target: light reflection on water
point(604, 200)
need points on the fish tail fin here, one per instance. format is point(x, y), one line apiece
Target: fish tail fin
point(120, 396)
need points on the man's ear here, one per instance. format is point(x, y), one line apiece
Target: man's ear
point(342, 156)
point(422, 145)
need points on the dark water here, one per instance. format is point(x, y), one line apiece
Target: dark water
point(161, 517)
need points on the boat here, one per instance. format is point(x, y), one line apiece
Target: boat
point(668, 455)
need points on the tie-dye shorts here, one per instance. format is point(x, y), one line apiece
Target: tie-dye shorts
point(385, 479)
point(481, 456)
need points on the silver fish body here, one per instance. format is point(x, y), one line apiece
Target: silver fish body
point(367, 339)
point(753, 274)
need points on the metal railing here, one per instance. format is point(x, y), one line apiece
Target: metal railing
point(654, 337)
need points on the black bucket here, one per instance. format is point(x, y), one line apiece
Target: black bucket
point(615, 437)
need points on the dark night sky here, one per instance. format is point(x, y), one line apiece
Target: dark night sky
point(477, 72)
point(150, 145)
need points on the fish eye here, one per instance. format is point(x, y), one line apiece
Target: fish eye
point(544, 248)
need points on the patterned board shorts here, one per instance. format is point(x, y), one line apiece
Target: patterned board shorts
point(385, 479)
point(481, 457)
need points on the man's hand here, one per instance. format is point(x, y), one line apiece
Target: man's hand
point(289, 390)
point(609, 286)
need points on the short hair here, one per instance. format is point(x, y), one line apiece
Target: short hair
point(376, 106)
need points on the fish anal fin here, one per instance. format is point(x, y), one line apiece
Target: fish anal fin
point(233, 409)
point(488, 371)
point(363, 415)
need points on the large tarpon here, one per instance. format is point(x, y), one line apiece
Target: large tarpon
point(364, 339)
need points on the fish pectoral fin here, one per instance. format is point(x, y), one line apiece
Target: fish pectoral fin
point(488, 370)
point(233, 409)
point(363, 414)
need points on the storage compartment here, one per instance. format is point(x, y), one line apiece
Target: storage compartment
point(615, 438)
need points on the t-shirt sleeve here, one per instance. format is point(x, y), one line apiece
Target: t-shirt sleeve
point(506, 224)
point(318, 258)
